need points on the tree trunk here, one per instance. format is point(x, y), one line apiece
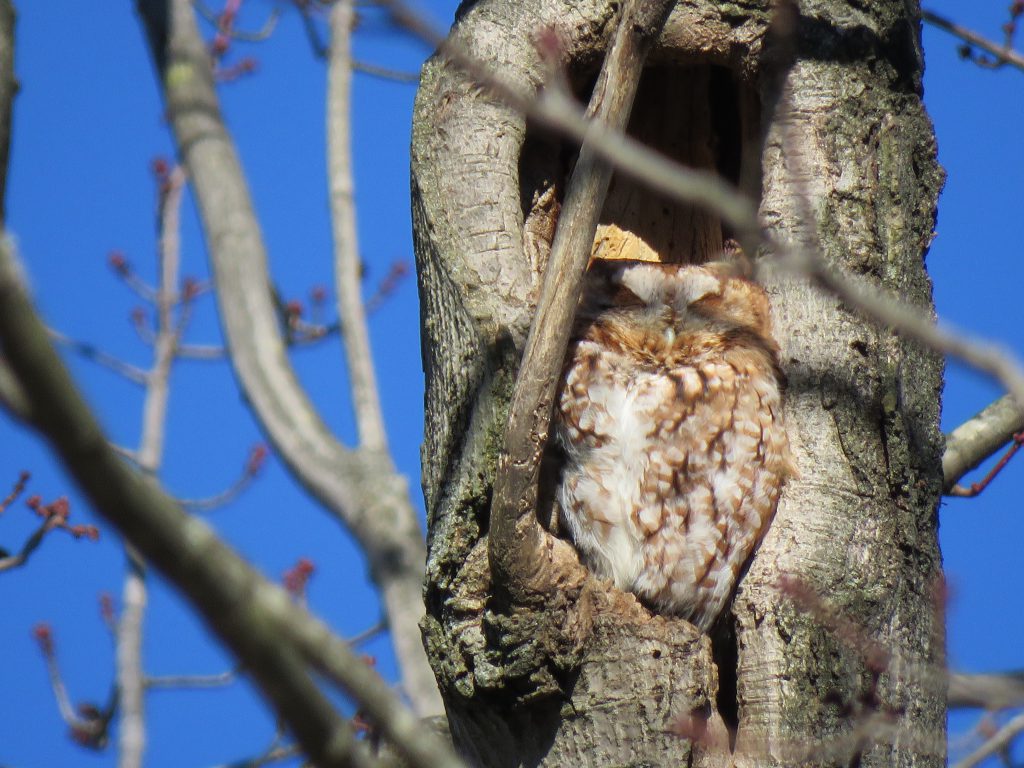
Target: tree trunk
point(850, 566)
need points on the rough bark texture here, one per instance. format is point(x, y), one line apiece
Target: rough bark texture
point(590, 677)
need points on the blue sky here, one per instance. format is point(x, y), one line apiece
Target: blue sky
point(87, 126)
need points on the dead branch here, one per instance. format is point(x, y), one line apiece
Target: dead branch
point(515, 534)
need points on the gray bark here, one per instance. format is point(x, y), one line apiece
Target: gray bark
point(589, 677)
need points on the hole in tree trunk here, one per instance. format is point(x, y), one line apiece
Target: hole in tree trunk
point(725, 653)
point(700, 115)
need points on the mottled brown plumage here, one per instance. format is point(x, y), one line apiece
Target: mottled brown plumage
point(670, 417)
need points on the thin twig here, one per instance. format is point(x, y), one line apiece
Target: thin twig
point(125, 453)
point(133, 373)
point(385, 73)
point(201, 352)
point(250, 469)
point(312, 33)
point(246, 37)
point(979, 437)
point(209, 503)
point(130, 674)
point(123, 269)
point(272, 754)
point(88, 724)
point(18, 559)
point(1002, 54)
point(55, 517)
point(367, 634)
point(352, 315)
point(997, 743)
point(976, 488)
point(192, 681)
point(16, 491)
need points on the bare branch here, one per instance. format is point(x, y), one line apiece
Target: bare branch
point(252, 466)
point(271, 636)
point(1000, 741)
point(16, 491)
point(18, 559)
point(356, 338)
point(246, 37)
point(384, 73)
point(975, 440)
point(192, 681)
point(986, 691)
point(910, 322)
point(90, 352)
point(128, 658)
point(1002, 54)
point(361, 488)
point(201, 352)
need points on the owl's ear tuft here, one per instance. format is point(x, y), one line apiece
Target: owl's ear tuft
point(731, 262)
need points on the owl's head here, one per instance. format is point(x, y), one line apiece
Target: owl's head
point(675, 297)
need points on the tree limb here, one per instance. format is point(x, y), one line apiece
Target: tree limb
point(514, 531)
point(976, 439)
point(359, 487)
point(1002, 54)
point(347, 285)
point(997, 743)
point(273, 638)
point(986, 691)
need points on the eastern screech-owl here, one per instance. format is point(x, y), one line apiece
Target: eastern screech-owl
point(670, 417)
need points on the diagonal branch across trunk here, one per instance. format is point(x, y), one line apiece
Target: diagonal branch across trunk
point(515, 534)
